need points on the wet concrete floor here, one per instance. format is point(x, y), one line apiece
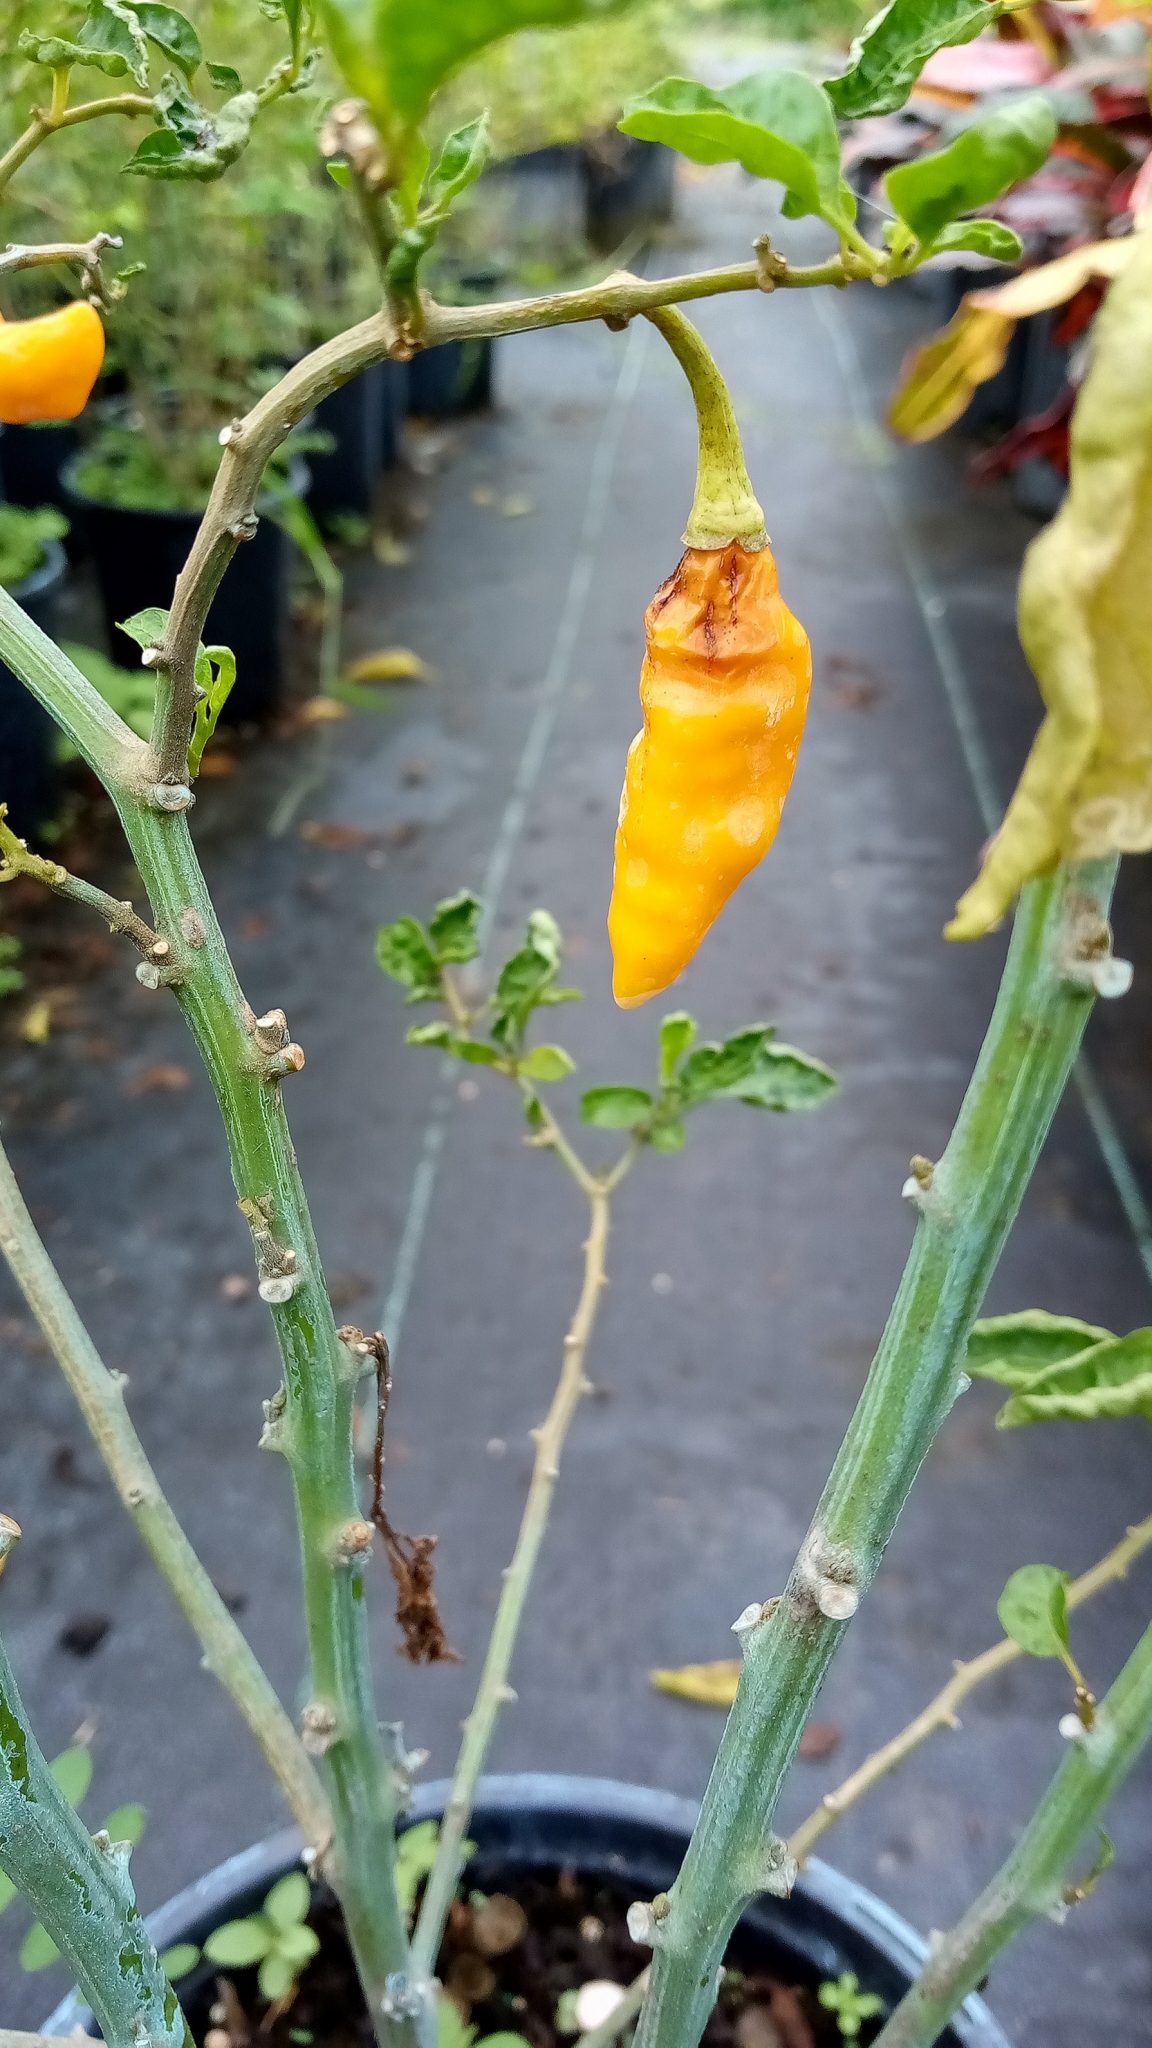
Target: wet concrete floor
point(750, 1275)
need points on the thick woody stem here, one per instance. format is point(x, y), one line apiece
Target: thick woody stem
point(85, 256)
point(493, 1691)
point(725, 507)
point(100, 1396)
point(80, 1889)
point(941, 1712)
point(966, 1204)
point(1034, 1882)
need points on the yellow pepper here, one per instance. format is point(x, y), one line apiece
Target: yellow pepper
point(724, 690)
point(48, 365)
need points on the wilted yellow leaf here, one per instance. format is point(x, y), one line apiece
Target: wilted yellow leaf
point(709, 1685)
point(389, 665)
point(36, 1023)
point(939, 378)
point(321, 711)
point(1085, 616)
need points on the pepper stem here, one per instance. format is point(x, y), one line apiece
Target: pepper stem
point(725, 507)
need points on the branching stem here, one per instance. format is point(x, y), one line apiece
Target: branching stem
point(55, 118)
point(16, 858)
point(492, 1691)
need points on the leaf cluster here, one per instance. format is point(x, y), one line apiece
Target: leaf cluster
point(276, 1942)
point(1058, 1369)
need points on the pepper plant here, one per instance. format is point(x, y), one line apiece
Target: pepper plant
point(1085, 620)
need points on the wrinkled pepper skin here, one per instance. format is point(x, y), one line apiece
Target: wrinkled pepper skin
point(48, 365)
point(724, 690)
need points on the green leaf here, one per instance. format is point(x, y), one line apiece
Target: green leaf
point(776, 124)
point(7, 1891)
point(503, 2040)
point(616, 1109)
point(195, 145)
point(240, 1943)
point(297, 1945)
point(1013, 1350)
point(460, 163)
point(147, 628)
point(525, 979)
point(1033, 1610)
point(173, 33)
point(415, 1855)
point(127, 1824)
point(475, 1053)
point(38, 1951)
point(216, 673)
point(783, 1078)
point(547, 1063)
point(452, 2029)
point(288, 1901)
point(930, 191)
point(677, 1034)
point(224, 78)
point(889, 54)
point(1110, 1382)
point(454, 927)
point(398, 52)
point(436, 1032)
point(179, 1959)
point(669, 1135)
point(716, 1070)
point(59, 53)
point(110, 29)
point(985, 237)
point(403, 951)
point(276, 1976)
point(72, 1771)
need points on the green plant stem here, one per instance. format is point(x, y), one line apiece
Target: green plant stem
point(1033, 1883)
point(100, 1395)
point(44, 124)
point(725, 507)
point(315, 1428)
point(940, 1711)
point(81, 1891)
point(492, 1691)
point(967, 1205)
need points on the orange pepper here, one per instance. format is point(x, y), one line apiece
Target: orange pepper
point(724, 691)
point(48, 365)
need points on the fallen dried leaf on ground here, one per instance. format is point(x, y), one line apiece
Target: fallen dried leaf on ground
point(36, 1023)
point(321, 711)
point(819, 1740)
point(166, 1077)
point(389, 665)
point(707, 1685)
point(338, 838)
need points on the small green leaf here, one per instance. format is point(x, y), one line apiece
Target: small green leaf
point(454, 927)
point(147, 628)
point(404, 952)
point(288, 1901)
point(224, 78)
point(276, 1976)
point(677, 1035)
point(784, 1079)
point(526, 978)
point(72, 1771)
point(340, 173)
point(460, 163)
point(436, 1032)
point(59, 52)
point(1013, 1350)
point(110, 29)
point(1109, 1382)
point(547, 1063)
point(503, 2040)
point(240, 1943)
point(297, 1945)
point(615, 1109)
point(415, 1855)
point(985, 237)
point(715, 1070)
point(669, 1135)
point(930, 191)
point(178, 1960)
point(775, 124)
point(195, 145)
point(889, 54)
point(172, 32)
point(127, 1824)
point(1033, 1610)
point(452, 2029)
point(216, 673)
point(38, 1951)
point(7, 1891)
point(476, 1054)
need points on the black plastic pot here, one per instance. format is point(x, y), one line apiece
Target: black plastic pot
point(622, 1836)
point(629, 187)
point(452, 378)
point(28, 780)
point(137, 556)
point(344, 477)
point(31, 462)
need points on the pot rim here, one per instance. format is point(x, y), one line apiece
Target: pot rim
point(51, 570)
point(554, 1793)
